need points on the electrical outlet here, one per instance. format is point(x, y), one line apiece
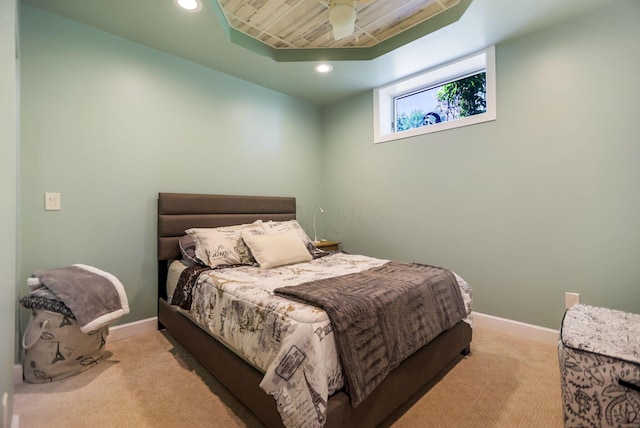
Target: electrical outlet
point(571, 299)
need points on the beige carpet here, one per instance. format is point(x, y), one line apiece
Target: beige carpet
point(150, 381)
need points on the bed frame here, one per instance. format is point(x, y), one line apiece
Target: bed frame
point(180, 211)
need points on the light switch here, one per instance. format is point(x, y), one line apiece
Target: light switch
point(52, 201)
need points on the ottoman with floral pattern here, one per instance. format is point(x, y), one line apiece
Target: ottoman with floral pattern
point(599, 353)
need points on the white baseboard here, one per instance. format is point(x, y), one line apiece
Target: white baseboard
point(135, 328)
point(530, 331)
point(17, 374)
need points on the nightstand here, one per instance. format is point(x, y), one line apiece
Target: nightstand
point(327, 245)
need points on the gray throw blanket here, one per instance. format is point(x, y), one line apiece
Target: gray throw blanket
point(383, 315)
point(95, 297)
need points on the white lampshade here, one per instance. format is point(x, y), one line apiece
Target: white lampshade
point(342, 16)
point(342, 32)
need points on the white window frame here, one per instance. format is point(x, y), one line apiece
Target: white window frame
point(383, 97)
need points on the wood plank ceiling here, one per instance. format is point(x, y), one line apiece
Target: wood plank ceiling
point(304, 24)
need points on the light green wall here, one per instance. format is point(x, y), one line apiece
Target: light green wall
point(109, 124)
point(542, 201)
point(8, 190)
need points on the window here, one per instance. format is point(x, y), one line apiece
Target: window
point(457, 94)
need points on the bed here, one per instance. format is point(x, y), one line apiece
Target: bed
point(178, 212)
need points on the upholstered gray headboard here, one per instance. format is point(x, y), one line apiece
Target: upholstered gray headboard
point(180, 211)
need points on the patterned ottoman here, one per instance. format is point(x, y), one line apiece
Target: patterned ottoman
point(599, 352)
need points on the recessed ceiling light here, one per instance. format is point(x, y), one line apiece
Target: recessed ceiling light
point(190, 5)
point(323, 68)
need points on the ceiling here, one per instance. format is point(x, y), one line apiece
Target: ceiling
point(304, 24)
point(204, 39)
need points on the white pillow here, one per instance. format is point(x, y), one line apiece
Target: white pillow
point(224, 245)
point(277, 249)
point(281, 226)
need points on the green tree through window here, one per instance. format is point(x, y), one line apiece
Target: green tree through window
point(415, 119)
point(464, 97)
point(457, 99)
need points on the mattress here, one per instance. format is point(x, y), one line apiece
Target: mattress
point(276, 335)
